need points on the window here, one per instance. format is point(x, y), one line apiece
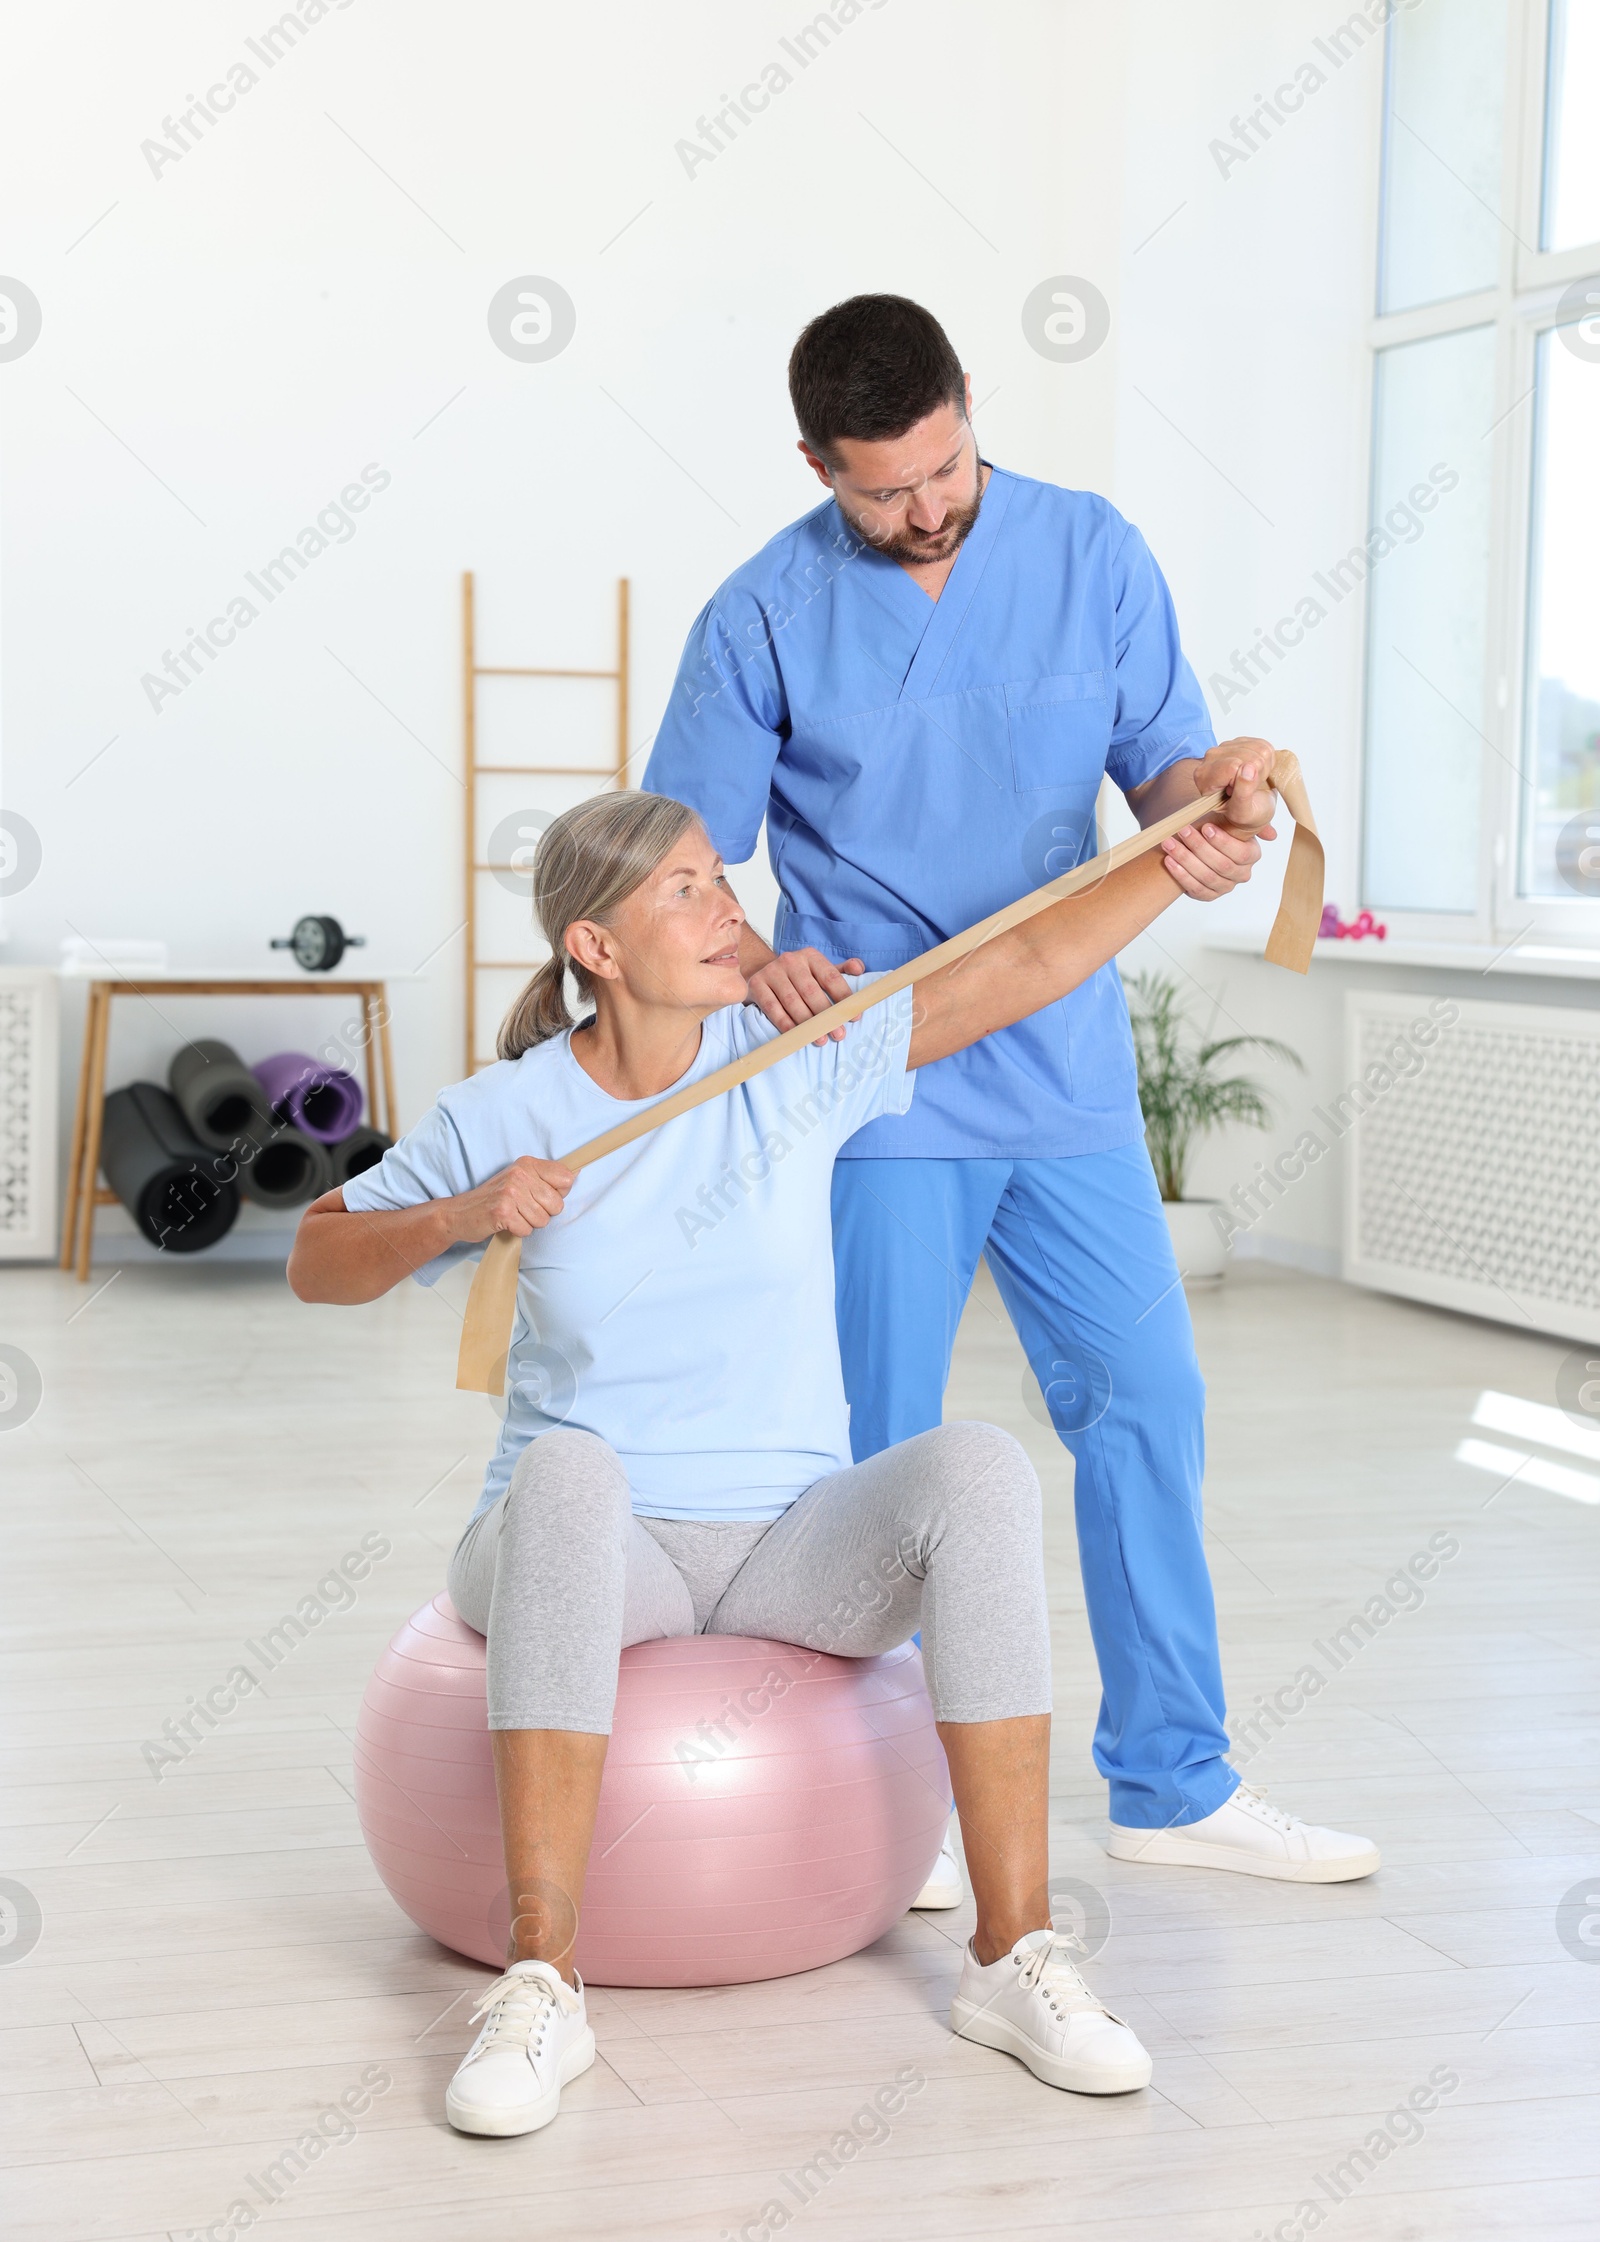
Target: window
point(1427, 605)
point(1483, 576)
point(1563, 670)
point(1444, 94)
point(1571, 199)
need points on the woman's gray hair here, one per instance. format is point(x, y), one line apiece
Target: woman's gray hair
point(588, 861)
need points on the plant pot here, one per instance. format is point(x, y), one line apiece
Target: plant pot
point(1196, 1239)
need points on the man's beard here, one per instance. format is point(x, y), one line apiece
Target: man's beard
point(918, 547)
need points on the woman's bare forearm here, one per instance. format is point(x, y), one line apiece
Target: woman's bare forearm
point(1021, 971)
point(342, 1257)
point(1047, 957)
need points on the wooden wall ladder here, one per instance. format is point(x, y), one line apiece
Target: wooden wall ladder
point(476, 865)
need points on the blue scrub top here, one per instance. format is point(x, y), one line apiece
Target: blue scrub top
point(920, 763)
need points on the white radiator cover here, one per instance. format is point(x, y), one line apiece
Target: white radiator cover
point(28, 1113)
point(1474, 1182)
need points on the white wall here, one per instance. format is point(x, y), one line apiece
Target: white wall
point(1245, 322)
point(234, 339)
point(237, 337)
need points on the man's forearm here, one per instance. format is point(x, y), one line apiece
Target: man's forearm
point(1169, 790)
point(753, 952)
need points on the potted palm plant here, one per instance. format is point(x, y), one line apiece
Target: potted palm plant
point(1184, 1095)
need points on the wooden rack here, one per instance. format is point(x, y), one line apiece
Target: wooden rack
point(84, 1190)
point(471, 670)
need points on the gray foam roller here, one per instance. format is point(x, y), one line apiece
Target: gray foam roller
point(362, 1149)
point(285, 1171)
point(221, 1099)
point(182, 1195)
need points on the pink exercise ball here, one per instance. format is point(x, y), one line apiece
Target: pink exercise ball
point(765, 1809)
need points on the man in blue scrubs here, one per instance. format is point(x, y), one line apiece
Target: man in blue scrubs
point(921, 686)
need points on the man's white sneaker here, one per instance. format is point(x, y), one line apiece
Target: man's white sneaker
point(944, 1887)
point(1032, 2004)
point(535, 2038)
point(1247, 1834)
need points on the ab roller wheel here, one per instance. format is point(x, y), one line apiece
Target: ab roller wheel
point(318, 942)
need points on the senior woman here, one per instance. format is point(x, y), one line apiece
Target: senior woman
point(675, 1455)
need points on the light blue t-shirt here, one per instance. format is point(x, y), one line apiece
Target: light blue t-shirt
point(681, 1304)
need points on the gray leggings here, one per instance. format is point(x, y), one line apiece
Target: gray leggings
point(940, 1532)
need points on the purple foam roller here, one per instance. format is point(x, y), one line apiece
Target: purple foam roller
point(322, 1100)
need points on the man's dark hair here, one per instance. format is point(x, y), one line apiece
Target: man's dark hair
point(869, 368)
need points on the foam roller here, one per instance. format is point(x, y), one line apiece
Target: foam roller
point(220, 1098)
point(181, 1195)
point(362, 1149)
point(322, 1100)
point(286, 1171)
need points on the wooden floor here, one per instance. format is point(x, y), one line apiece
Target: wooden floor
point(218, 1962)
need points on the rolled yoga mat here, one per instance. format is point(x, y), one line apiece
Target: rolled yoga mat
point(285, 1171)
point(325, 1101)
point(220, 1098)
point(181, 1195)
point(354, 1154)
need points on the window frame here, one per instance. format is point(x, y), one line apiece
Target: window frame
point(1521, 305)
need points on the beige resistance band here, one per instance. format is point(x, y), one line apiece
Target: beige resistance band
point(491, 1306)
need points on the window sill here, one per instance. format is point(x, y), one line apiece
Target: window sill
point(1562, 961)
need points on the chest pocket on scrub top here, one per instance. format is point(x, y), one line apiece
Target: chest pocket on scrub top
point(1060, 730)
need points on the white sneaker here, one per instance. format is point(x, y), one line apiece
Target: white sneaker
point(1032, 2004)
point(535, 2038)
point(944, 1887)
point(1247, 1834)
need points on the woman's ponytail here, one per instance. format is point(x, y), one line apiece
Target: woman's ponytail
point(588, 861)
point(539, 1013)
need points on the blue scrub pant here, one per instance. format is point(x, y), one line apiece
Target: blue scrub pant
point(1080, 1252)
